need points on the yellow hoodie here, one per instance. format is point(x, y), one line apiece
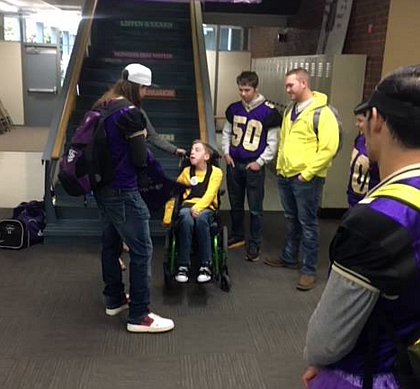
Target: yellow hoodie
point(300, 152)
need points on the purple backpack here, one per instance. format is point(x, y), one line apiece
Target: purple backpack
point(87, 163)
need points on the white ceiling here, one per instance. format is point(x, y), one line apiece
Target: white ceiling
point(37, 5)
point(66, 3)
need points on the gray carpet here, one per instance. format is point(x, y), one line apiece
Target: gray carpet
point(23, 138)
point(54, 333)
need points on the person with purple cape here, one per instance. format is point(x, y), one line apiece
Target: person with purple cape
point(370, 307)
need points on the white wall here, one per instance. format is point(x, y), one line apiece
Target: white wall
point(11, 88)
point(22, 178)
point(231, 64)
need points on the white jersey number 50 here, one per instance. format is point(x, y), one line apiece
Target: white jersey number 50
point(251, 139)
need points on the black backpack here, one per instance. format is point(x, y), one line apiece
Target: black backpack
point(407, 362)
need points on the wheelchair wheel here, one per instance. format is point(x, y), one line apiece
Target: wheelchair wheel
point(169, 262)
point(225, 245)
point(225, 282)
point(167, 277)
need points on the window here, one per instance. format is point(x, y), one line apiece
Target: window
point(231, 38)
point(210, 36)
point(12, 28)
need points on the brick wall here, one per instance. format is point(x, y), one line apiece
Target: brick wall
point(302, 33)
point(304, 28)
point(360, 40)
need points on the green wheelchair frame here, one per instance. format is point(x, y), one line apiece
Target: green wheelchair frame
point(219, 243)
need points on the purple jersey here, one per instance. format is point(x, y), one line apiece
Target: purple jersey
point(118, 128)
point(249, 129)
point(364, 175)
point(379, 243)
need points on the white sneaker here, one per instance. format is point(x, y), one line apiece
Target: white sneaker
point(182, 274)
point(204, 274)
point(151, 323)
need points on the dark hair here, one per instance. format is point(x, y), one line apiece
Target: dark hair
point(209, 150)
point(124, 88)
point(403, 85)
point(248, 78)
point(361, 109)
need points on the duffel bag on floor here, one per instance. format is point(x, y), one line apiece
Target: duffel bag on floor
point(12, 234)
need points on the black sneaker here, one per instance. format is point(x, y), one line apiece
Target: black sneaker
point(182, 275)
point(234, 243)
point(252, 253)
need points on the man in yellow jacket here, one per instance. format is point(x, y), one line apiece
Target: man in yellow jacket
point(304, 156)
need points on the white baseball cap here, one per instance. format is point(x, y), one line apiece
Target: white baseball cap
point(138, 74)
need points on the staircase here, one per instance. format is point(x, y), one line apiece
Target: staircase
point(157, 35)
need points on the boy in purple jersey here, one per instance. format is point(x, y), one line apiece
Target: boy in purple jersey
point(249, 141)
point(364, 174)
point(371, 297)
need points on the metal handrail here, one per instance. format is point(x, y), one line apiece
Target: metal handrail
point(67, 99)
point(204, 100)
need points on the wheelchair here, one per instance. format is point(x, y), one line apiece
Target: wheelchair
point(219, 241)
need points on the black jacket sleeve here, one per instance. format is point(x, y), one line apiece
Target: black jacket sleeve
point(132, 127)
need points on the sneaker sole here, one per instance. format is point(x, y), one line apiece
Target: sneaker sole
point(252, 260)
point(236, 245)
point(116, 311)
point(203, 282)
point(145, 329)
point(284, 266)
point(182, 281)
point(304, 288)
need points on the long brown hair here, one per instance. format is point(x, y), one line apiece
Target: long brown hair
point(122, 88)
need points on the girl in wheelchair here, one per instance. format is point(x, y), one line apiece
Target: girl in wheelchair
point(197, 211)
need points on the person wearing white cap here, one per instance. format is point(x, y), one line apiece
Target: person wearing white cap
point(142, 75)
point(124, 214)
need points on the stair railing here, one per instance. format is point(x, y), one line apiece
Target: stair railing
point(65, 107)
point(204, 100)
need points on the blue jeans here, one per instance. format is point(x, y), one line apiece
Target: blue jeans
point(186, 225)
point(300, 202)
point(241, 180)
point(125, 217)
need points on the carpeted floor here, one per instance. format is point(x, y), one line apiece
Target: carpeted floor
point(54, 333)
point(23, 138)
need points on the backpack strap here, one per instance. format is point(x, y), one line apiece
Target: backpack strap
point(288, 109)
point(317, 114)
point(370, 356)
point(114, 107)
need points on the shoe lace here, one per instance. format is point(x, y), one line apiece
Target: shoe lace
point(204, 270)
